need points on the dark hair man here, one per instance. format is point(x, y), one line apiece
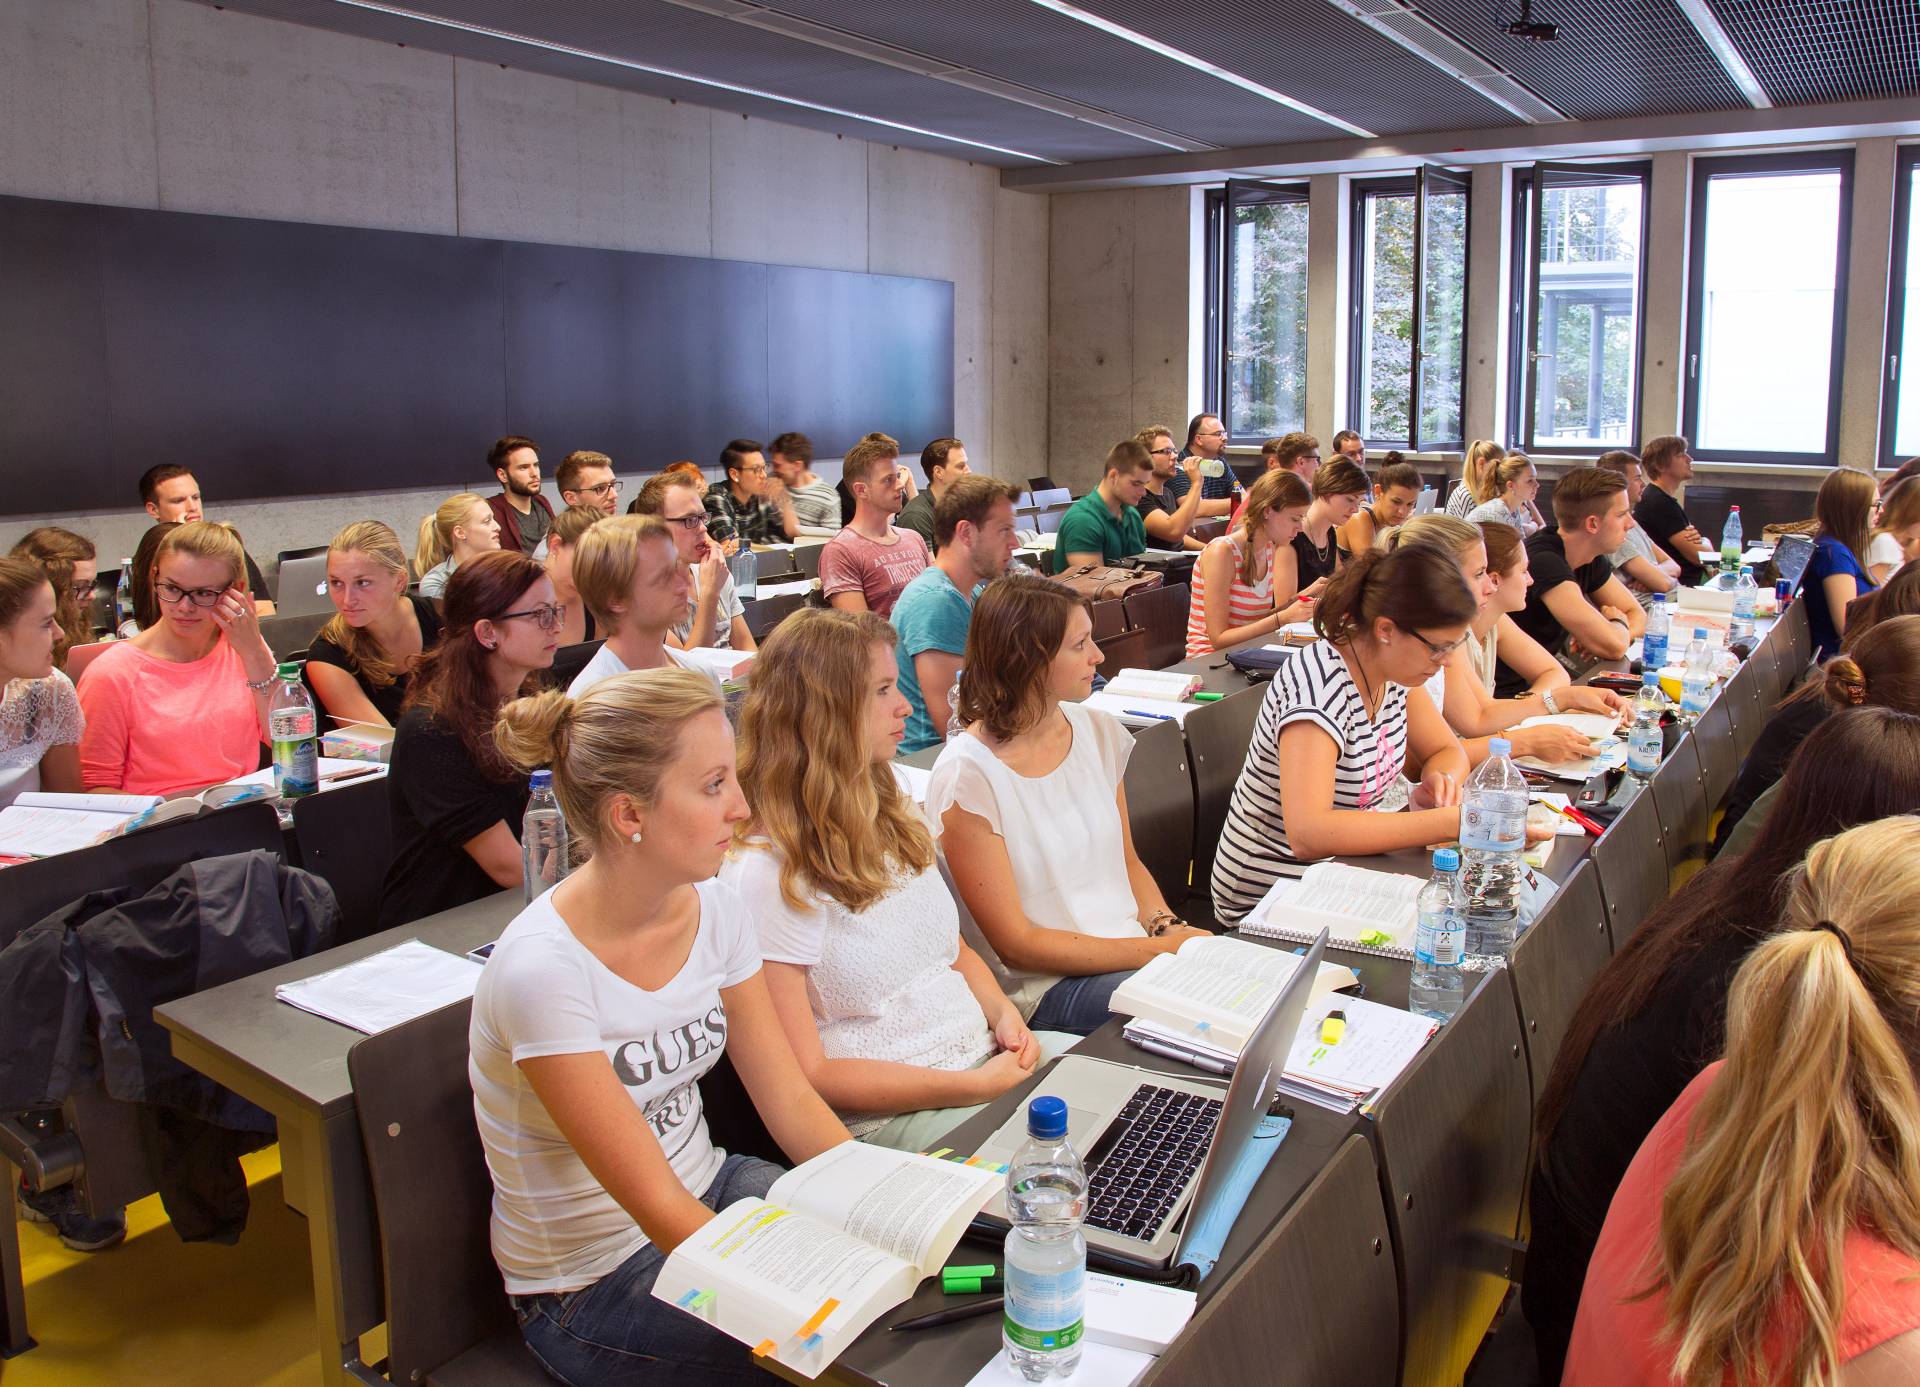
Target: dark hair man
point(1104, 526)
point(1207, 440)
point(816, 502)
point(942, 462)
point(1575, 597)
point(1669, 466)
point(716, 616)
point(170, 492)
point(869, 563)
point(523, 513)
point(1168, 518)
point(747, 504)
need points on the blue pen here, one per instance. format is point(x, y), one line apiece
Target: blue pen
point(1142, 713)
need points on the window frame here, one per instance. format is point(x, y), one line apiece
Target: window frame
point(1219, 277)
point(1703, 172)
point(1905, 245)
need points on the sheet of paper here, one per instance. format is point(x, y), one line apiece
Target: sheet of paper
point(26, 831)
point(1592, 726)
point(335, 766)
point(385, 989)
point(1378, 1043)
point(1101, 1365)
point(89, 804)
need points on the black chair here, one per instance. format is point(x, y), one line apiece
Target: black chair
point(806, 559)
point(1160, 808)
point(1127, 650)
point(1217, 739)
point(345, 837)
point(1039, 484)
point(1162, 613)
point(289, 636)
point(1109, 619)
point(1630, 860)
point(765, 613)
point(1680, 799)
point(1552, 962)
point(774, 563)
point(569, 660)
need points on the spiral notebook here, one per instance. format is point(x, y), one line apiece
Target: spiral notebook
point(1373, 912)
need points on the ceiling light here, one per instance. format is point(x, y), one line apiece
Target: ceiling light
point(713, 83)
point(1721, 45)
point(1425, 39)
point(1133, 36)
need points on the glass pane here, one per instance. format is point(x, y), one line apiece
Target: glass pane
point(1766, 323)
point(1443, 325)
point(1267, 324)
point(1386, 318)
point(1589, 277)
point(1906, 419)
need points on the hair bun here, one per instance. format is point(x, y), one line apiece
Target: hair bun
point(1844, 682)
point(533, 732)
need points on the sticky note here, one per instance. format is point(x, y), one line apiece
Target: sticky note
point(827, 1307)
point(763, 1348)
point(686, 1301)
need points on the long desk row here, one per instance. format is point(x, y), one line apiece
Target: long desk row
point(1396, 1230)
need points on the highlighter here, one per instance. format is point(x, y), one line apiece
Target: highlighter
point(1333, 1027)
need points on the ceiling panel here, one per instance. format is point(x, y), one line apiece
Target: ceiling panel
point(1807, 51)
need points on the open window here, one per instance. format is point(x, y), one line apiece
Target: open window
point(1258, 359)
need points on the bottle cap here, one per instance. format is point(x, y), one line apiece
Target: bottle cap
point(1047, 1117)
point(288, 669)
point(1650, 680)
point(1499, 746)
point(540, 780)
point(1660, 599)
point(1446, 860)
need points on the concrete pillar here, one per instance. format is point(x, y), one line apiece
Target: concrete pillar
point(1326, 305)
point(1869, 255)
point(1664, 357)
point(1483, 406)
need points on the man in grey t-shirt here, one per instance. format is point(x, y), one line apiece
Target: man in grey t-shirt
point(816, 503)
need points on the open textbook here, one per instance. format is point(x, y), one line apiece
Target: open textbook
point(1142, 697)
point(1360, 908)
point(840, 1240)
point(1220, 987)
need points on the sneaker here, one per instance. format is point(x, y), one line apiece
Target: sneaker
point(61, 1208)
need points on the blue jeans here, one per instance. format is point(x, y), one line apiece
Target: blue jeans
point(615, 1334)
point(1078, 1006)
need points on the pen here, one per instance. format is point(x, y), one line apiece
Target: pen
point(953, 1316)
point(1142, 713)
point(350, 775)
point(1205, 1062)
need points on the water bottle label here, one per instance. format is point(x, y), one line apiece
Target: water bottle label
point(1435, 947)
point(1643, 750)
point(291, 724)
point(1653, 651)
point(1486, 829)
point(1045, 1310)
point(296, 768)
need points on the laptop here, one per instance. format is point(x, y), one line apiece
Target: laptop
point(303, 587)
point(1170, 1161)
point(1790, 558)
point(1427, 502)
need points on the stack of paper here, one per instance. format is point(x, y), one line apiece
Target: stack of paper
point(1600, 729)
point(385, 989)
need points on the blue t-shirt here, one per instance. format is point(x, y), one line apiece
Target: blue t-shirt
point(932, 614)
point(1830, 559)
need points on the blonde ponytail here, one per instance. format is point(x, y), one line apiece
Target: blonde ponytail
point(434, 546)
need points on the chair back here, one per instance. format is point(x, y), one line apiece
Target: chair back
point(80, 656)
point(806, 559)
point(1109, 619)
point(289, 636)
point(1162, 613)
point(1127, 650)
point(1047, 519)
point(773, 563)
point(765, 613)
point(569, 660)
point(1553, 960)
point(1160, 807)
point(1217, 739)
point(345, 837)
point(1042, 497)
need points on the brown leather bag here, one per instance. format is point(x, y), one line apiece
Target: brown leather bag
point(1098, 583)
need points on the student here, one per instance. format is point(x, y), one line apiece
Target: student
point(463, 527)
point(896, 1023)
point(1880, 669)
point(604, 1003)
point(973, 529)
point(943, 462)
point(1837, 571)
point(357, 666)
point(576, 624)
point(1242, 588)
point(456, 802)
point(1396, 491)
point(522, 513)
point(69, 563)
point(40, 719)
point(1104, 526)
point(1575, 597)
point(170, 492)
point(586, 478)
point(1207, 440)
point(816, 504)
point(1900, 596)
point(1343, 718)
point(1298, 453)
point(1165, 517)
point(1653, 1017)
point(182, 705)
point(1513, 484)
point(1497, 639)
point(1033, 815)
point(716, 618)
point(1896, 537)
point(746, 505)
point(1339, 490)
point(1349, 445)
point(1669, 466)
point(1642, 565)
point(146, 607)
point(1481, 457)
point(1769, 1226)
point(868, 564)
point(632, 578)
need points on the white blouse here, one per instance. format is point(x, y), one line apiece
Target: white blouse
point(36, 715)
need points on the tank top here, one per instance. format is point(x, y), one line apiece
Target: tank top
point(1315, 562)
point(1247, 602)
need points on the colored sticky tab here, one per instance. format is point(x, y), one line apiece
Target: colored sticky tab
point(1375, 938)
point(811, 1342)
point(942, 1152)
point(819, 1318)
point(686, 1301)
point(763, 1348)
point(701, 1301)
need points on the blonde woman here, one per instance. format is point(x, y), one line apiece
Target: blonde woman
point(1896, 536)
point(1470, 490)
point(1513, 484)
point(1768, 1230)
point(569, 527)
point(464, 525)
point(357, 666)
point(1235, 597)
point(896, 1022)
point(182, 705)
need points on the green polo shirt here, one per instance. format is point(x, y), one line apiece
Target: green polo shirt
point(1089, 527)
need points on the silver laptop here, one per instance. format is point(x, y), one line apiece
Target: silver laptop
point(1170, 1161)
point(303, 587)
point(1427, 502)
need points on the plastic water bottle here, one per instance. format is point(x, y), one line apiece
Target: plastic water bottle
point(1699, 674)
point(1653, 645)
point(1438, 987)
point(1644, 744)
point(1731, 543)
point(1046, 1254)
point(1493, 834)
point(955, 723)
point(123, 595)
point(1746, 596)
point(295, 729)
point(543, 838)
point(1213, 467)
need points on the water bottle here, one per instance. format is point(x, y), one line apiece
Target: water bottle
point(295, 729)
point(1653, 645)
point(1644, 744)
point(1439, 944)
point(123, 596)
point(543, 838)
point(955, 723)
point(1731, 545)
point(1746, 596)
point(1046, 1254)
point(1493, 834)
point(1213, 467)
point(1699, 674)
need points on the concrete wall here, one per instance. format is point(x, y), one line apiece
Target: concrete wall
point(179, 106)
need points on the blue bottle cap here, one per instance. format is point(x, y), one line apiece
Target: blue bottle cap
point(1660, 599)
point(1446, 860)
point(1047, 1117)
point(1499, 746)
point(1650, 680)
point(540, 780)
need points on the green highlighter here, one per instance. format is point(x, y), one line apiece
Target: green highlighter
point(970, 1280)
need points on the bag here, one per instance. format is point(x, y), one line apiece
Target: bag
point(1097, 583)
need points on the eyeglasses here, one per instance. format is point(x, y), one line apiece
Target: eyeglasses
point(1166, 452)
point(1313, 458)
point(604, 489)
point(200, 597)
point(752, 471)
point(82, 592)
point(695, 523)
point(1439, 652)
point(1211, 433)
point(548, 616)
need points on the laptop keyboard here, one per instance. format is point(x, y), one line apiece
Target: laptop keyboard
point(1157, 1143)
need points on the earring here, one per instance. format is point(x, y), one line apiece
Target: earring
point(635, 835)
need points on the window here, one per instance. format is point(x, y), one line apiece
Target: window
point(1257, 357)
point(1763, 315)
point(1408, 309)
point(1580, 282)
point(1900, 433)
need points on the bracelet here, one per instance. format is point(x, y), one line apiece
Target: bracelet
point(1162, 921)
point(1546, 697)
point(262, 685)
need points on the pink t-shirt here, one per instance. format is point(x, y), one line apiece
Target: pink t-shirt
point(853, 563)
point(155, 727)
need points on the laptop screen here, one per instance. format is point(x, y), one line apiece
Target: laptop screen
point(1790, 558)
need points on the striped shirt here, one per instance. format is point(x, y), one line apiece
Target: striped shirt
point(1460, 500)
point(1312, 687)
point(1247, 601)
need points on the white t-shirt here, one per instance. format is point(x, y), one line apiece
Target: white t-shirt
point(543, 992)
point(605, 664)
point(726, 607)
point(1884, 548)
point(1061, 830)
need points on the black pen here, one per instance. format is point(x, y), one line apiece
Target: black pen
point(962, 1312)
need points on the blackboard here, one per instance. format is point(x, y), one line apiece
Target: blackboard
point(284, 359)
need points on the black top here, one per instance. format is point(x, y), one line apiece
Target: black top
point(1767, 762)
point(917, 515)
point(1630, 1078)
point(256, 580)
point(1661, 517)
point(1165, 503)
point(439, 799)
point(387, 700)
point(1547, 561)
point(1314, 562)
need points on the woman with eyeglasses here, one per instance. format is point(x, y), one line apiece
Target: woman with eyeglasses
point(455, 801)
point(68, 560)
point(358, 665)
point(182, 705)
point(40, 718)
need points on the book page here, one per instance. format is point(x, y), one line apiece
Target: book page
point(912, 1206)
point(1346, 901)
point(1227, 983)
point(26, 831)
point(1151, 683)
point(86, 804)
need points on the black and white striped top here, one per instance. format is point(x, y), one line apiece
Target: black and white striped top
point(1314, 687)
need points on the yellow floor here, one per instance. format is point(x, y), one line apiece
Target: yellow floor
point(157, 1311)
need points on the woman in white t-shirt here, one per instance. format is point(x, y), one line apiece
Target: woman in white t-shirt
point(1514, 484)
point(40, 721)
point(603, 1004)
point(897, 1023)
point(1033, 815)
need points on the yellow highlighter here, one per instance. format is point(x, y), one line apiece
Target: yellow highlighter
point(1333, 1027)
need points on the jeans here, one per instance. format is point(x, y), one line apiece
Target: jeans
point(615, 1334)
point(1078, 1006)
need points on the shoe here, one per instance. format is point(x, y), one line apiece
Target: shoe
point(61, 1208)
